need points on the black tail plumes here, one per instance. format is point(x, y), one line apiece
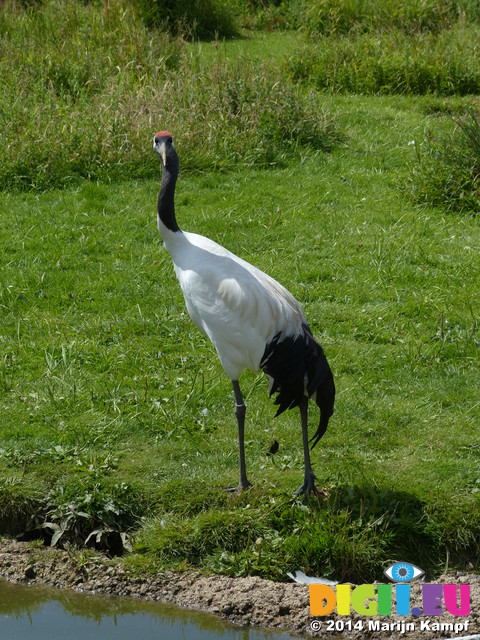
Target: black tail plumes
point(325, 400)
point(298, 365)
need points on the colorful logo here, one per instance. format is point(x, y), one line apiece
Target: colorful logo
point(377, 599)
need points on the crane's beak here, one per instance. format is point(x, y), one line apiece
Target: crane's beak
point(161, 148)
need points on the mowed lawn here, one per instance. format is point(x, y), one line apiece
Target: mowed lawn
point(115, 414)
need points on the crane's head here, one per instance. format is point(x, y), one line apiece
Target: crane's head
point(163, 145)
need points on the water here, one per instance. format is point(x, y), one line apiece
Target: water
point(42, 613)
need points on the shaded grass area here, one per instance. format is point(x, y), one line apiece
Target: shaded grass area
point(207, 19)
point(115, 413)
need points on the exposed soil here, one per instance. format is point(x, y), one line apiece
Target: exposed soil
point(244, 601)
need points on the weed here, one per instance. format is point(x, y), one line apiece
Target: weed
point(91, 513)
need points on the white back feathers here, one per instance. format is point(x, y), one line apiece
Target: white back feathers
point(239, 307)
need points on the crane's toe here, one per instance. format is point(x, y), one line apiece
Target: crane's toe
point(308, 486)
point(240, 488)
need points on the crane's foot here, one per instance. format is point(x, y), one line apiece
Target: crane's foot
point(240, 488)
point(308, 487)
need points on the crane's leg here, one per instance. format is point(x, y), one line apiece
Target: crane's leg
point(240, 414)
point(309, 481)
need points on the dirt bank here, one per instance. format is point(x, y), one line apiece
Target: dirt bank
point(244, 601)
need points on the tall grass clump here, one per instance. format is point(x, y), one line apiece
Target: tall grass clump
point(392, 63)
point(446, 171)
point(270, 14)
point(322, 17)
point(85, 87)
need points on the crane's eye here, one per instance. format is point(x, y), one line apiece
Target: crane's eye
point(403, 572)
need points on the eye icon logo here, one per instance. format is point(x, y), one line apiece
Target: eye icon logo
point(403, 572)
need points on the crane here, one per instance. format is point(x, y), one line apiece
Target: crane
point(252, 320)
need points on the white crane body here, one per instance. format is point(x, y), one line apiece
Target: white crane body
point(252, 320)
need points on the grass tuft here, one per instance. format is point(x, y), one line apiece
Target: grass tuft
point(447, 168)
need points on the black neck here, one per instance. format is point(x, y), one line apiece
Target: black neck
point(166, 205)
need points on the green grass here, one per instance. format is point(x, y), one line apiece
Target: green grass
point(115, 414)
point(112, 402)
